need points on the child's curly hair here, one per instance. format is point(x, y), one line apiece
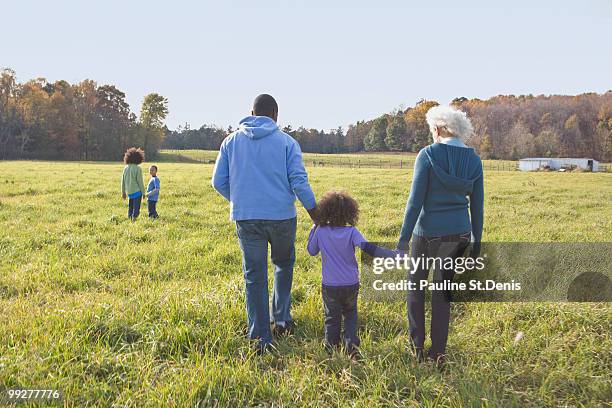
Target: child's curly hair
point(338, 209)
point(134, 155)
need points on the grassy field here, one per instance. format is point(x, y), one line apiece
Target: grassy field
point(151, 313)
point(372, 159)
point(354, 160)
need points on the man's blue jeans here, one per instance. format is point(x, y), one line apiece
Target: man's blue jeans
point(254, 237)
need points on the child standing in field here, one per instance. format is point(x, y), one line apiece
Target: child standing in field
point(132, 185)
point(153, 192)
point(336, 237)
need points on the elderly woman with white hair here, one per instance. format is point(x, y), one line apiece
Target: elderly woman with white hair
point(443, 214)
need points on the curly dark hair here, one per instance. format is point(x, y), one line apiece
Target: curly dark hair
point(338, 209)
point(133, 155)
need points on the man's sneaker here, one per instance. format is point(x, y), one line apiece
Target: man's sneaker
point(263, 348)
point(438, 359)
point(353, 353)
point(285, 329)
point(279, 330)
point(330, 348)
point(290, 326)
point(419, 354)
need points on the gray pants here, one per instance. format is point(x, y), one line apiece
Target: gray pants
point(450, 246)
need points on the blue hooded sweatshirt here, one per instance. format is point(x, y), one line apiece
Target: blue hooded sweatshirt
point(445, 175)
point(259, 170)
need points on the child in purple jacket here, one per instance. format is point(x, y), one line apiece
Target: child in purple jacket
point(336, 237)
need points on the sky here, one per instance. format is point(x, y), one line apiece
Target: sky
point(327, 63)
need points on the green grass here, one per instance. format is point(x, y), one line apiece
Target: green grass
point(152, 313)
point(355, 160)
point(369, 159)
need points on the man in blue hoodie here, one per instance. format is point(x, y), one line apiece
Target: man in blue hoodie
point(259, 170)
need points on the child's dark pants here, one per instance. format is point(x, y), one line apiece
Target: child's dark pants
point(153, 209)
point(341, 302)
point(134, 207)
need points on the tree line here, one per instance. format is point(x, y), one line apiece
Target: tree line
point(511, 127)
point(85, 121)
point(506, 127)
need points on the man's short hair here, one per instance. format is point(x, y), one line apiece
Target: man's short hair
point(265, 105)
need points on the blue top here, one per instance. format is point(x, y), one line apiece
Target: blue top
point(259, 170)
point(445, 175)
point(135, 195)
point(337, 247)
point(153, 184)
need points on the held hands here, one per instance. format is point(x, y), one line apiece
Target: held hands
point(403, 246)
point(314, 214)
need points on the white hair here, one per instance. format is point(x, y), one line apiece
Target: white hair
point(454, 121)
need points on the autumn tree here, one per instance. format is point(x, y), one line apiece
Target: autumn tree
point(85, 106)
point(571, 136)
point(485, 148)
point(603, 135)
point(9, 120)
point(522, 142)
point(418, 130)
point(547, 143)
point(33, 105)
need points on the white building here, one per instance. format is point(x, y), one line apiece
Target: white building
point(535, 163)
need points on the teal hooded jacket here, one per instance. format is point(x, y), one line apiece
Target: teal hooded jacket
point(447, 194)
